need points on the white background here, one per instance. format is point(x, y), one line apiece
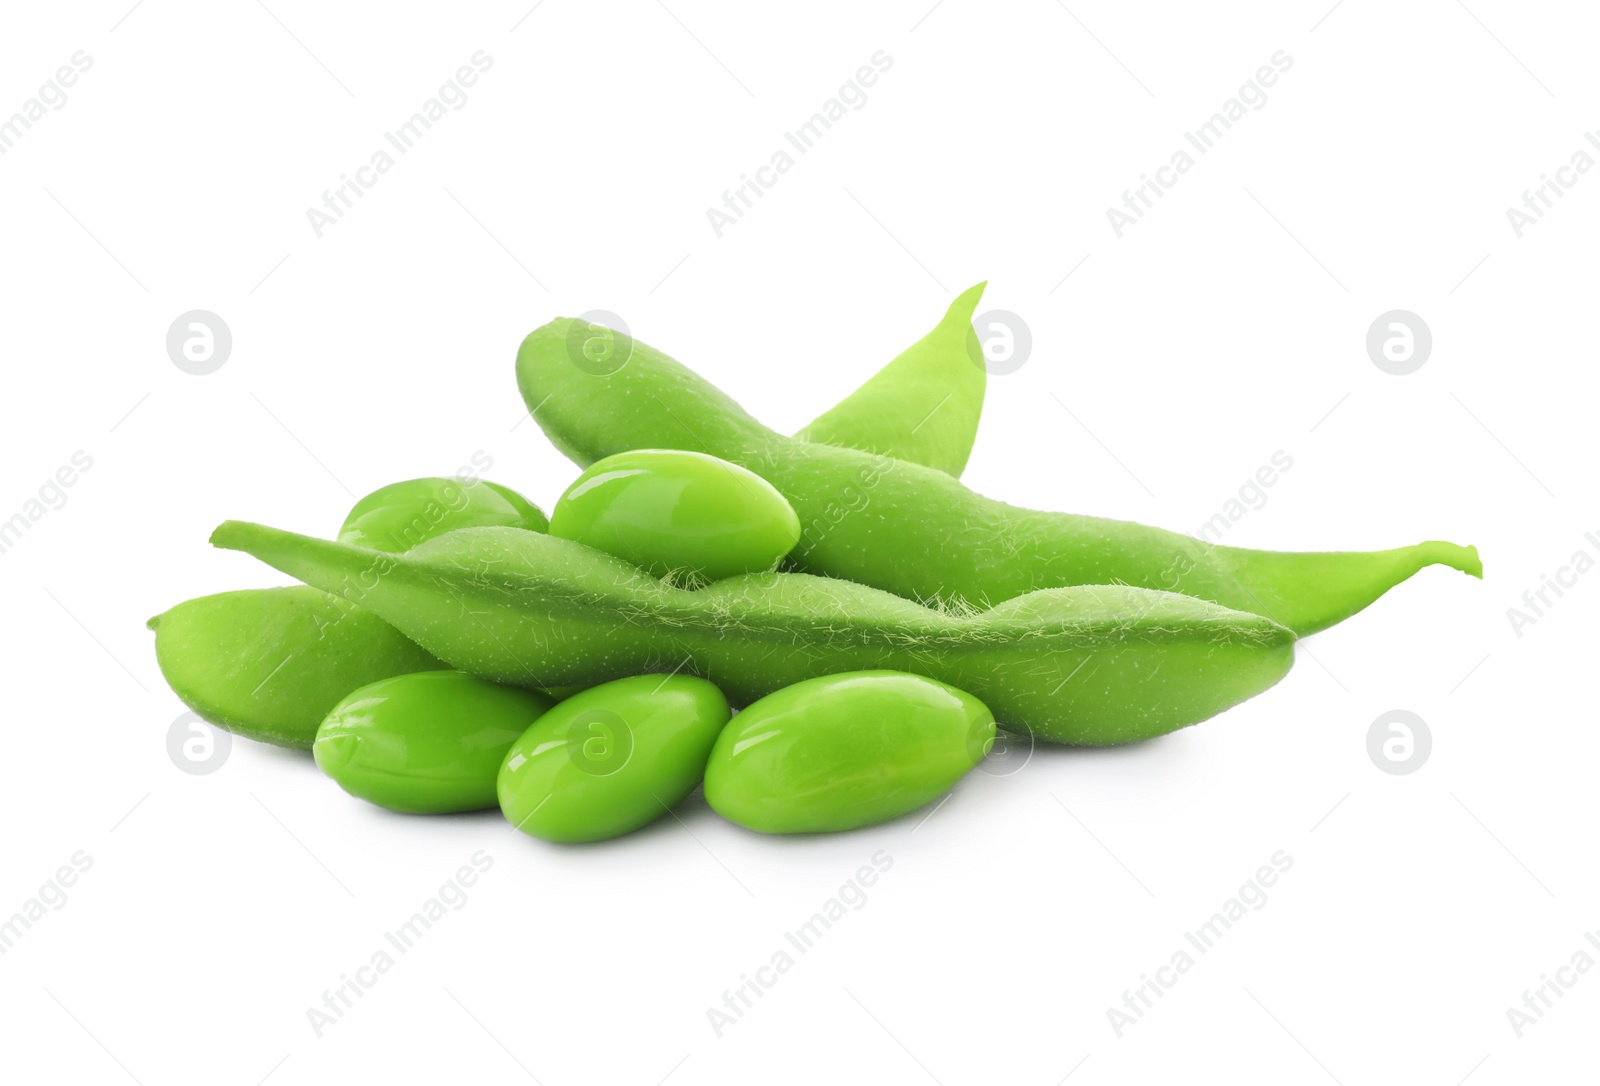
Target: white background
point(1226, 325)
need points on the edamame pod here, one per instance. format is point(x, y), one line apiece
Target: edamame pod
point(1094, 665)
point(844, 751)
point(206, 652)
point(270, 663)
point(429, 743)
point(924, 405)
point(919, 533)
point(676, 513)
point(611, 759)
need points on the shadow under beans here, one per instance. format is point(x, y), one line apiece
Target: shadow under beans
point(268, 752)
point(1022, 759)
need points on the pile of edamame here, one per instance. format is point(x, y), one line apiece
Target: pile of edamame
point(870, 618)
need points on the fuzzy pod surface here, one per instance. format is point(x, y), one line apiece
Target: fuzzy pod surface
point(918, 532)
point(1092, 665)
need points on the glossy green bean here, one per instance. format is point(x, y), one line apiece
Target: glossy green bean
point(611, 759)
point(399, 516)
point(1093, 665)
point(679, 514)
point(428, 743)
point(840, 752)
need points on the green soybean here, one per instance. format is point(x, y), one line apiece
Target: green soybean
point(678, 513)
point(844, 751)
point(399, 516)
point(924, 405)
point(919, 533)
point(1095, 664)
point(611, 759)
point(270, 663)
point(429, 743)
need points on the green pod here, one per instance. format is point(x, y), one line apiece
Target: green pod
point(675, 513)
point(919, 533)
point(429, 743)
point(399, 516)
point(611, 759)
point(924, 405)
point(845, 751)
point(270, 663)
point(1093, 665)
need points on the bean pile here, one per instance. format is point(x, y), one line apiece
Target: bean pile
point(452, 649)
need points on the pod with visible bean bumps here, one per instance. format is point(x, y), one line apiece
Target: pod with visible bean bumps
point(270, 663)
point(429, 743)
point(221, 654)
point(1096, 664)
point(673, 512)
point(845, 751)
point(611, 759)
point(919, 533)
point(399, 516)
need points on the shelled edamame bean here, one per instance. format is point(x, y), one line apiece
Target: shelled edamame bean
point(611, 759)
point(678, 513)
point(429, 743)
point(840, 752)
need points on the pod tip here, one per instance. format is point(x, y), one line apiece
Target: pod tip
point(967, 301)
point(1453, 555)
